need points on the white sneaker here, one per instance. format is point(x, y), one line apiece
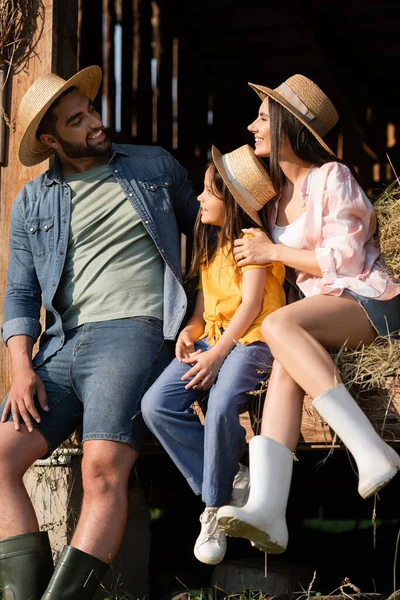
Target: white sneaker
point(241, 487)
point(210, 546)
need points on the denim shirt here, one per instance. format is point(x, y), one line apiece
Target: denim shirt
point(162, 195)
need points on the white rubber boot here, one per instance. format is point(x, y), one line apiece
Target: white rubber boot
point(377, 462)
point(262, 520)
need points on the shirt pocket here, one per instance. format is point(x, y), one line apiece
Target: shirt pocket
point(157, 191)
point(41, 235)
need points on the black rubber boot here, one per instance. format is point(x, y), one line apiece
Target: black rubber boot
point(26, 566)
point(76, 577)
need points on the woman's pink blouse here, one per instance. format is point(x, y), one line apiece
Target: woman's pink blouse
point(339, 225)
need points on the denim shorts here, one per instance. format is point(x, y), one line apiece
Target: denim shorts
point(384, 315)
point(98, 379)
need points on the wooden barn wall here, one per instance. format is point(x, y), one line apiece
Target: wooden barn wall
point(163, 47)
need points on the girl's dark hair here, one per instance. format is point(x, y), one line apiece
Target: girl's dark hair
point(284, 125)
point(208, 239)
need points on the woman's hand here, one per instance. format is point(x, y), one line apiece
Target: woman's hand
point(256, 250)
point(25, 387)
point(205, 369)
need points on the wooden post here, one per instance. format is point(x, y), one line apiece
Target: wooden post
point(13, 175)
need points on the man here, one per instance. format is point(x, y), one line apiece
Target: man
point(95, 241)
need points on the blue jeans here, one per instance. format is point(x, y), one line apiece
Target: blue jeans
point(207, 456)
point(99, 376)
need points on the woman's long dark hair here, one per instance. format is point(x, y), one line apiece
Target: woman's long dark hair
point(285, 126)
point(208, 239)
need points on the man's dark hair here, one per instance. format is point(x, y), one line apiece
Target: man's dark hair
point(49, 120)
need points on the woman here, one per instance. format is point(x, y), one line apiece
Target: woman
point(322, 226)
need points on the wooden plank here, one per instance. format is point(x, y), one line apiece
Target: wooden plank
point(144, 99)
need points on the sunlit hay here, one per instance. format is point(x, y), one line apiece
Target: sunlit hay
point(387, 207)
point(371, 374)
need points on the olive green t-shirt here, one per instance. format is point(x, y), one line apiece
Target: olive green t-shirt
point(112, 269)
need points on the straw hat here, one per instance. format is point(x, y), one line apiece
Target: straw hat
point(246, 178)
point(38, 98)
point(306, 101)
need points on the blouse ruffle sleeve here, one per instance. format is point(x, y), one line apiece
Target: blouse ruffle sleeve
point(348, 224)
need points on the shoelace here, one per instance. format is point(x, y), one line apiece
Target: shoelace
point(209, 519)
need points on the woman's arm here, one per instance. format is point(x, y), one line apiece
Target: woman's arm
point(259, 250)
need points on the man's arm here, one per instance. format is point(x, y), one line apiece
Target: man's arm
point(185, 199)
point(21, 325)
point(22, 300)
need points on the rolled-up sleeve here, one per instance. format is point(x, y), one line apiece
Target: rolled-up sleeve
point(348, 222)
point(22, 300)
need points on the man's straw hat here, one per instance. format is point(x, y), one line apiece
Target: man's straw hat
point(246, 177)
point(38, 98)
point(306, 101)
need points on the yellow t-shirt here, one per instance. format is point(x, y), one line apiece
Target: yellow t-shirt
point(221, 283)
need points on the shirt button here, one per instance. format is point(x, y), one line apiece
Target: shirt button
point(152, 187)
point(166, 183)
point(61, 252)
point(130, 195)
point(31, 229)
point(66, 193)
point(116, 171)
point(162, 250)
point(64, 221)
point(53, 284)
point(46, 227)
point(147, 222)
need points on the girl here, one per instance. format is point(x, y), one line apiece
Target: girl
point(322, 226)
point(221, 348)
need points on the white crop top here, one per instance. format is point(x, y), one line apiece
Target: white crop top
point(290, 235)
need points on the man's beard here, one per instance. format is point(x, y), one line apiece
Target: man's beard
point(79, 150)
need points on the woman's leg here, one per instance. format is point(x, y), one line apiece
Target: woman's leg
point(284, 398)
point(299, 333)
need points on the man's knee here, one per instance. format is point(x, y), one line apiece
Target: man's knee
point(106, 467)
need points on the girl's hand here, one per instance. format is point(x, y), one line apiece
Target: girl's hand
point(184, 345)
point(25, 387)
point(256, 250)
point(205, 369)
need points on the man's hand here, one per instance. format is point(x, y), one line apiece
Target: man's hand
point(256, 250)
point(25, 387)
point(205, 369)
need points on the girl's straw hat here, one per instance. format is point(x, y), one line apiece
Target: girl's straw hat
point(306, 101)
point(38, 98)
point(246, 177)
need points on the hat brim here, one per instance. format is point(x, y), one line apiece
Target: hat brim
point(263, 91)
point(33, 151)
point(217, 159)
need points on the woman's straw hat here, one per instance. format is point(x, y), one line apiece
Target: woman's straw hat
point(306, 101)
point(246, 177)
point(38, 98)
